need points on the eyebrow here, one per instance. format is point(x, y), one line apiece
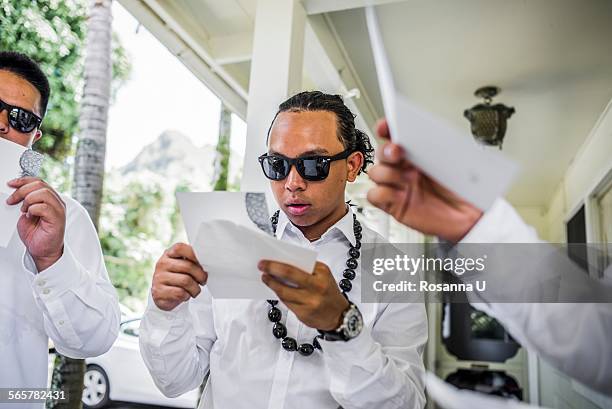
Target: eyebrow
point(318, 151)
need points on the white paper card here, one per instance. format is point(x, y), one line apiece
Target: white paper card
point(10, 154)
point(198, 207)
point(230, 253)
point(475, 173)
point(229, 244)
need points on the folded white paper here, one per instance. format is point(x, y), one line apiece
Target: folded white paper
point(448, 396)
point(10, 154)
point(230, 253)
point(477, 174)
point(227, 232)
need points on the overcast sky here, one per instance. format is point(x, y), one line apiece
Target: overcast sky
point(162, 94)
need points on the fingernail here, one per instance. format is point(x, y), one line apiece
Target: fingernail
point(260, 265)
point(388, 151)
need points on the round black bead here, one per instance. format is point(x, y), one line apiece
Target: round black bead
point(349, 274)
point(357, 244)
point(358, 228)
point(315, 343)
point(345, 285)
point(279, 330)
point(353, 252)
point(275, 314)
point(358, 235)
point(351, 263)
point(272, 302)
point(305, 349)
point(289, 344)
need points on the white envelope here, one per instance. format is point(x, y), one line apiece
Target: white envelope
point(10, 154)
point(455, 160)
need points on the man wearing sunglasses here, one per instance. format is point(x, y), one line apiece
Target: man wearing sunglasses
point(54, 283)
point(320, 346)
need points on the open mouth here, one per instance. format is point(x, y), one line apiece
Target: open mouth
point(297, 209)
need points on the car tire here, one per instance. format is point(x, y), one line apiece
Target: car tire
point(96, 388)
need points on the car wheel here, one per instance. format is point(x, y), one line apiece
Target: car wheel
point(96, 389)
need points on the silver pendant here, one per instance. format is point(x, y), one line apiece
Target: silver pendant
point(30, 163)
point(258, 211)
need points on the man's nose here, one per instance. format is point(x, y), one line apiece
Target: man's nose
point(294, 181)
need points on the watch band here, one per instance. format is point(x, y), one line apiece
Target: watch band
point(352, 323)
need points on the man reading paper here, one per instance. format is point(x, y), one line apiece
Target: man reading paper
point(54, 283)
point(317, 345)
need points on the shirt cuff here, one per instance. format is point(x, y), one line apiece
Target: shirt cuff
point(162, 320)
point(500, 224)
point(60, 277)
point(157, 324)
point(341, 356)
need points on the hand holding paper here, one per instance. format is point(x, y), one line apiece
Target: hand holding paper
point(446, 155)
point(15, 161)
point(414, 199)
point(227, 231)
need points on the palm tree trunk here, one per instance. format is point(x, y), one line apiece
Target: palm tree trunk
point(221, 173)
point(89, 162)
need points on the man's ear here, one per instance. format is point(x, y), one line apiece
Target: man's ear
point(355, 163)
point(37, 136)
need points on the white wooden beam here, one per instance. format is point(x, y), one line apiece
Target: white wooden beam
point(328, 6)
point(276, 73)
point(231, 49)
point(232, 94)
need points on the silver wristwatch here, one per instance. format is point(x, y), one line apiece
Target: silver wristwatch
point(352, 324)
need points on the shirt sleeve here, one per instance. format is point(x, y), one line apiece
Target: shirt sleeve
point(382, 367)
point(573, 337)
point(78, 302)
point(175, 345)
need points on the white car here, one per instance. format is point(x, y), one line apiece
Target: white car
point(121, 375)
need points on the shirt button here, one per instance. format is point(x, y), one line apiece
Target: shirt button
point(61, 322)
point(46, 291)
point(42, 282)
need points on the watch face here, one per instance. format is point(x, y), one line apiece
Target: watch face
point(354, 323)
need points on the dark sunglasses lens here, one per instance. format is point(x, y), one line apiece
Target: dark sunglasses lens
point(21, 120)
point(275, 168)
point(314, 169)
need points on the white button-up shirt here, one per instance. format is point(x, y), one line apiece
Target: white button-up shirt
point(72, 302)
point(573, 337)
point(380, 368)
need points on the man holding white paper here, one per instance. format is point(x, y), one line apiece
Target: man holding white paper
point(573, 337)
point(317, 345)
point(54, 282)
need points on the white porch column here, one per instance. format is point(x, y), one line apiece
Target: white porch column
point(276, 73)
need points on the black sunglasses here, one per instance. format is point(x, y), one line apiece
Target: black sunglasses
point(20, 119)
point(312, 168)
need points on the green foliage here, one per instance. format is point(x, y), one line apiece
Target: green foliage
point(53, 32)
point(138, 222)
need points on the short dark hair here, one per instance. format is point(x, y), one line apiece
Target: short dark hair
point(351, 137)
point(25, 67)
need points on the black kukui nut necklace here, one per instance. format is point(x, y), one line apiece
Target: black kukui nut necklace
point(279, 330)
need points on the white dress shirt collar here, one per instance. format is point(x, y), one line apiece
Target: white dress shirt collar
point(343, 227)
